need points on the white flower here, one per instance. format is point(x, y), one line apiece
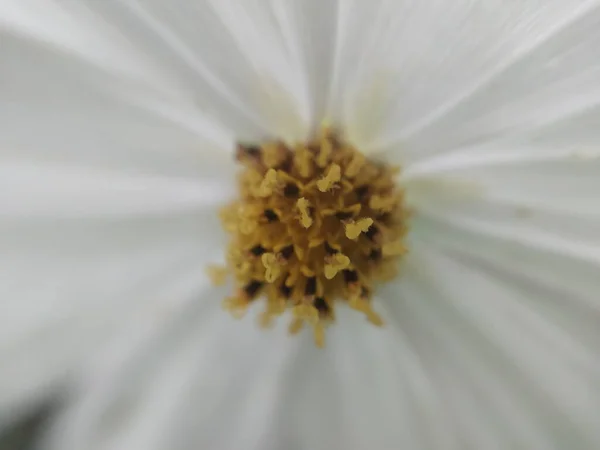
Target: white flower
point(118, 119)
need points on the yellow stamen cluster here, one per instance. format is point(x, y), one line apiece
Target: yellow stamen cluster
point(315, 224)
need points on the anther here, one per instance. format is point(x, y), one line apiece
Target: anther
point(333, 176)
point(355, 228)
point(306, 312)
point(303, 160)
point(324, 154)
point(335, 263)
point(273, 266)
point(247, 226)
point(247, 220)
point(303, 206)
point(355, 165)
point(269, 184)
point(275, 155)
point(382, 203)
point(393, 248)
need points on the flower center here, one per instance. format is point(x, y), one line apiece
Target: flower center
point(315, 225)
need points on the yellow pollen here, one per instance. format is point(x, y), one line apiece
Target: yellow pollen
point(323, 155)
point(334, 264)
point(382, 203)
point(393, 248)
point(304, 208)
point(334, 175)
point(272, 265)
point(316, 225)
point(353, 168)
point(269, 184)
point(353, 229)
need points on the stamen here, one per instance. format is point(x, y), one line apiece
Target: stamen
point(273, 266)
point(316, 225)
point(353, 229)
point(382, 203)
point(269, 184)
point(334, 175)
point(335, 263)
point(319, 335)
point(275, 154)
point(393, 248)
point(303, 161)
point(304, 208)
point(217, 274)
point(357, 163)
point(324, 154)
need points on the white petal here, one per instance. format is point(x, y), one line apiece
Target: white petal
point(311, 32)
point(67, 283)
point(62, 107)
point(433, 76)
point(366, 389)
point(29, 191)
point(546, 209)
point(228, 58)
point(110, 181)
point(508, 331)
point(195, 378)
point(212, 382)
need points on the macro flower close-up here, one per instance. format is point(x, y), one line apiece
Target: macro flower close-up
point(301, 224)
